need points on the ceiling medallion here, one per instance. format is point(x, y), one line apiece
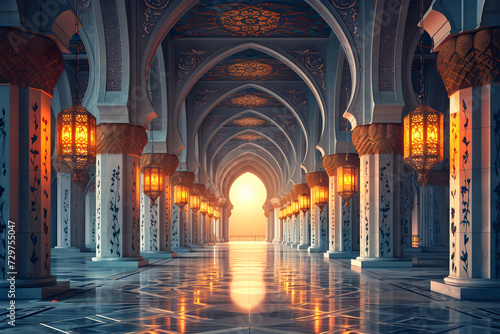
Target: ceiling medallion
point(250, 21)
point(249, 69)
point(249, 122)
point(248, 137)
point(249, 100)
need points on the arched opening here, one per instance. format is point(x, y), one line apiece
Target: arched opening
point(247, 221)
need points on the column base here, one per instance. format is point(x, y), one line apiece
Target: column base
point(119, 262)
point(315, 249)
point(341, 254)
point(289, 243)
point(158, 254)
point(62, 249)
point(182, 249)
point(302, 246)
point(295, 245)
point(470, 289)
point(380, 262)
point(33, 288)
point(91, 247)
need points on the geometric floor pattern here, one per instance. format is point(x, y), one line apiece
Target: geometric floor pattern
point(245, 287)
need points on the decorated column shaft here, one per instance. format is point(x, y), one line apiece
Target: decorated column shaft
point(469, 66)
point(119, 148)
point(319, 216)
point(30, 66)
point(344, 219)
point(380, 147)
point(90, 214)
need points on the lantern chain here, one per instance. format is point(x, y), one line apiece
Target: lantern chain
point(77, 57)
point(422, 70)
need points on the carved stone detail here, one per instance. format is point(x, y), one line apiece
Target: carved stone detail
point(301, 189)
point(333, 161)
point(121, 138)
point(29, 60)
point(378, 138)
point(276, 202)
point(319, 178)
point(470, 60)
point(180, 178)
point(168, 162)
point(199, 189)
point(313, 62)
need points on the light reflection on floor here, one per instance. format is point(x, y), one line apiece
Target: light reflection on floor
point(252, 288)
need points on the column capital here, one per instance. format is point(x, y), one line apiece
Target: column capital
point(60, 167)
point(276, 202)
point(319, 178)
point(301, 189)
point(183, 179)
point(168, 162)
point(470, 60)
point(333, 161)
point(199, 189)
point(29, 60)
point(378, 138)
point(121, 138)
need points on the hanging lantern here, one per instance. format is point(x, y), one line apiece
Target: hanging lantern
point(320, 195)
point(304, 203)
point(204, 207)
point(181, 195)
point(76, 139)
point(423, 139)
point(347, 181)
point(195, 202)
point(152, 182)
point(295, 208)
point(280, 212)
point(216, 213)
point(210, 212)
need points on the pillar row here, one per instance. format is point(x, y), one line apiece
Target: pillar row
point(319, 217)
point(180, 216)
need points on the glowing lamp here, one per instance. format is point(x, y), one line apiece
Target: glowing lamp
point(289, 210)
point(195, 202)
point(280, 212)
point(204, 207)
point(76, 139)
point(295, 208)
point(347, 181)
point(216, 213)
point(320, 195)
point(304, 203)
point(152, 182)
point(181, 195)
point(210, 212)
point(423, 139)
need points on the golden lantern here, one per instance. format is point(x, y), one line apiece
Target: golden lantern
point(347, 181)
point(280, 214)
point(423, 139)
point(204, 207)
point(304, 203)
point(76, 139)
point(195, 202)
point(152, 182)
point(295, 208)
point(320, 195)
point(181, 195)
point(216, 213)
point(289, 210)
point(210, 212)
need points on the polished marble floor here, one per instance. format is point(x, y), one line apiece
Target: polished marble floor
point(252, 288)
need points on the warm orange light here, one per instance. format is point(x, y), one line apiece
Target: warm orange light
point(289, 210)
point(181, 195)
point(304, 203)
point(320, 195)
point(216, 213)
point(210, 212)
point(295, 208)
point(423, 139)
point(347, 181)
point(204, 207)
point(76, 139)
point(152, 182)
point(195, 202)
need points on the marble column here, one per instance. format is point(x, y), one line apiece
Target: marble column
point(90, 214)
point(155, 222)
point(180, 216)
point(70, 212)
point(30, 66)
point(319, 216)
point(380, 147)
point(344, 219)
point(276, 203)
point(119, 148)
point(473, 85)
point(408, 188)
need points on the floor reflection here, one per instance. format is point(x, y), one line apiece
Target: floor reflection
point(252, 288)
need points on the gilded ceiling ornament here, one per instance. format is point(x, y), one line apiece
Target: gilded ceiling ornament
point(298, 97)
point(156, 4)
point(250, 21)
point(249, 69)
point(249, 100)
point(248, 137)
point(249, 122)
point(152, 10)
point(344, 4)
point(211, 120)
point(188, 61)
point(313, 62)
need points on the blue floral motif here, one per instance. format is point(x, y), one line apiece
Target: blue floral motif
point(496, 223)
point(34, 188)
point(114, 207)
point(465, 192)
point(3, 173)
point(385, 207)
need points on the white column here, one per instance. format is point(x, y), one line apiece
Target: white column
point(90, 214)
point(305, 229)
